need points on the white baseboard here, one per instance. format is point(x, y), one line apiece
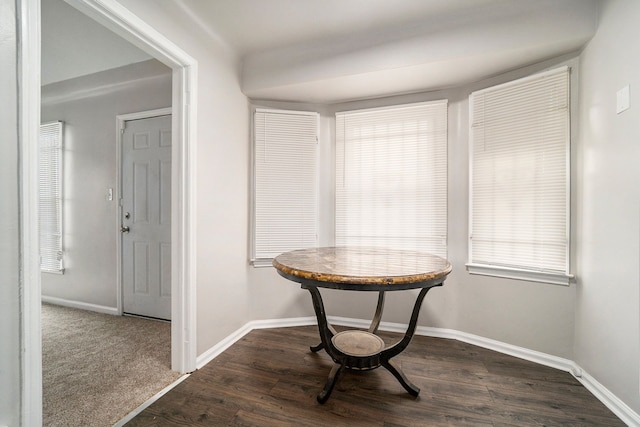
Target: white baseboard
point(512, 350)
point(283, 323)
point(81, 305)
point(228, 341)
point(611, 401)
point(501, 347)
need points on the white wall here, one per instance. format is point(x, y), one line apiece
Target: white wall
point(222, 174)
point(607, 301)
point(88, 106)
point(531, 315)
point(10, 390)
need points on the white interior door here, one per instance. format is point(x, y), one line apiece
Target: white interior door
point(146, 217)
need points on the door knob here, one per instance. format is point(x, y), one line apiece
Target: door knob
point(124, 228)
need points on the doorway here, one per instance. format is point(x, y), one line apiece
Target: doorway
point(183, 210)
point(183, 177)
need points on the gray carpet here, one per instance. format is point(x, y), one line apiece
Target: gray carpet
point(97, 368)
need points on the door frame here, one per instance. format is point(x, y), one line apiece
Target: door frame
point(121, 120)
point(121, 21)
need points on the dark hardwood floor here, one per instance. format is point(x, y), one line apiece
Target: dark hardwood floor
point(270, 378)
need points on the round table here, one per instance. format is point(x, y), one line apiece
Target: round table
point(362, 269)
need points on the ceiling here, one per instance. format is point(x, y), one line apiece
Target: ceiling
point(332, 51)
point(74, 45)
point(254, 26)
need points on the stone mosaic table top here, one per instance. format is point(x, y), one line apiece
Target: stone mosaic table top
point(362, 266)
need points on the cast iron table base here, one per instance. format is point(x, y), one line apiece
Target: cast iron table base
point(360, 350)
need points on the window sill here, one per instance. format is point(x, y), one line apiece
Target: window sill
point(60, 272)
point(519, 274)
point(262, 262)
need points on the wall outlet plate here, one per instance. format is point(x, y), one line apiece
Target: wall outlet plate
point(622, 100)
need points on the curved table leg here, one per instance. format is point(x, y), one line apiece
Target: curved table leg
point(316, 348)
point(335, 373)
point(378, 316)
point(401, 377)
point(399, 347)
point(324, 328)
point(394, 350)
point(326, 333)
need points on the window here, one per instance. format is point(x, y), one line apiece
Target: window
point(285, 183)
point(519, 207)
point(50, 197)
point(391, 177)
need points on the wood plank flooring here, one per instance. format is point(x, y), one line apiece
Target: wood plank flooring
point(270, 378)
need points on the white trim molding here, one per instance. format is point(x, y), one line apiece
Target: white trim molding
point(228, 341)
point(80, 305)
point(521, 274)
point(610, 400)
point(61, 92)
point(121, 118)
point(131, 415)
point(28, 19)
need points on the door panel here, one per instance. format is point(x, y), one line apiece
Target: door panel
point(146, 210)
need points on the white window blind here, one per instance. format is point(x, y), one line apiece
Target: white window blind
point(391, 177)
point(520, 178)
point(50, 197)
point(285, 182)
